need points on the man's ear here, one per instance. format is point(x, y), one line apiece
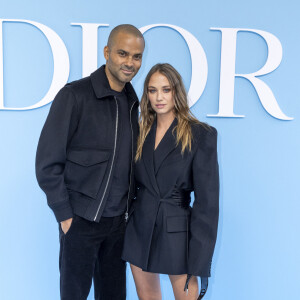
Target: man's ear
point(106, 52)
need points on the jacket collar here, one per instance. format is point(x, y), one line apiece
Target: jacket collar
point(165, 147)
point(102, 88)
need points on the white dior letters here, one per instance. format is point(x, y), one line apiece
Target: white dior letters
point(198, 59)
point(60, 61)
point(89, 46)
point(227, 73)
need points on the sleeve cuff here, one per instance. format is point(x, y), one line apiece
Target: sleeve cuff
point(62, 211)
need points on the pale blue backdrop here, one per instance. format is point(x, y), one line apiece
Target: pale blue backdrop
point(257, 251)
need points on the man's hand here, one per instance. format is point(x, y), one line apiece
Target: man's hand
point(65, 225)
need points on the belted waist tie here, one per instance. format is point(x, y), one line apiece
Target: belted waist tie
point(179, 198)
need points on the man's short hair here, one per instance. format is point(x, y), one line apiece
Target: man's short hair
point(126, 28)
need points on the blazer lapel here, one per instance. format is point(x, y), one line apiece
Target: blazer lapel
point(147, 156)
point(166, 145)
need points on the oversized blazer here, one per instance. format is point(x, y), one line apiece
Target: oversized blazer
point(163, 234)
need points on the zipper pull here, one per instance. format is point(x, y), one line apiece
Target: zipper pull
point(126, 216)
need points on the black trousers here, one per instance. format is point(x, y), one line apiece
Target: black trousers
point(92, 251)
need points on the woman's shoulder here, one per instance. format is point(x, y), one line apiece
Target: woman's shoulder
point(204, 136)
point(202, 130)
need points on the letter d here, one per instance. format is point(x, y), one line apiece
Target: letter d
point(60, 61)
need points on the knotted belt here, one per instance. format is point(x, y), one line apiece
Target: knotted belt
point(179, 198)
point(182, 199)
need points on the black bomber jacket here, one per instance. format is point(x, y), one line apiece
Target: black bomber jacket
point(78, 146)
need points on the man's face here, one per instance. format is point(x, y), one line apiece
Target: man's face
point(123, 59)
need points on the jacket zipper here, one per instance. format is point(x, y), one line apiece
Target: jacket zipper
point(112, 163)
point(127, 207)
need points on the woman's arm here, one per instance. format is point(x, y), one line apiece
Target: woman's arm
point(205, 212)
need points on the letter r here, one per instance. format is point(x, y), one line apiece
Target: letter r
point(227, 73)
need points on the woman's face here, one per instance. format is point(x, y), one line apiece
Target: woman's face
point(160, 95)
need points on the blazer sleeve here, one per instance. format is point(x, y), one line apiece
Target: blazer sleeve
point(56, 134)
point(205, 211)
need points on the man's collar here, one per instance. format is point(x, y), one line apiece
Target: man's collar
point(102, 88)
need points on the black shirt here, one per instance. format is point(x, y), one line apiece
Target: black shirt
point(117, 199)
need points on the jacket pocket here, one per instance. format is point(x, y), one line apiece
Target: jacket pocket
point(85, 170)
point(177, 224)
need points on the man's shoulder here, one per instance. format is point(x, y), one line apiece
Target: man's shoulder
point(81, 86)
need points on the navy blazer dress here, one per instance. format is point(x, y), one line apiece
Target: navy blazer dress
point(164, 234)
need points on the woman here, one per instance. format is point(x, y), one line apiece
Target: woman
point(176, 154)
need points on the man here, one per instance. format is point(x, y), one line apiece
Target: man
point(84, 165)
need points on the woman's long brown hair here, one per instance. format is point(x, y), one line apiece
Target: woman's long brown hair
point(182, 111)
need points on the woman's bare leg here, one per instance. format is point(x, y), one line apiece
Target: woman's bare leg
point(178, 283)
point(147, 284)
